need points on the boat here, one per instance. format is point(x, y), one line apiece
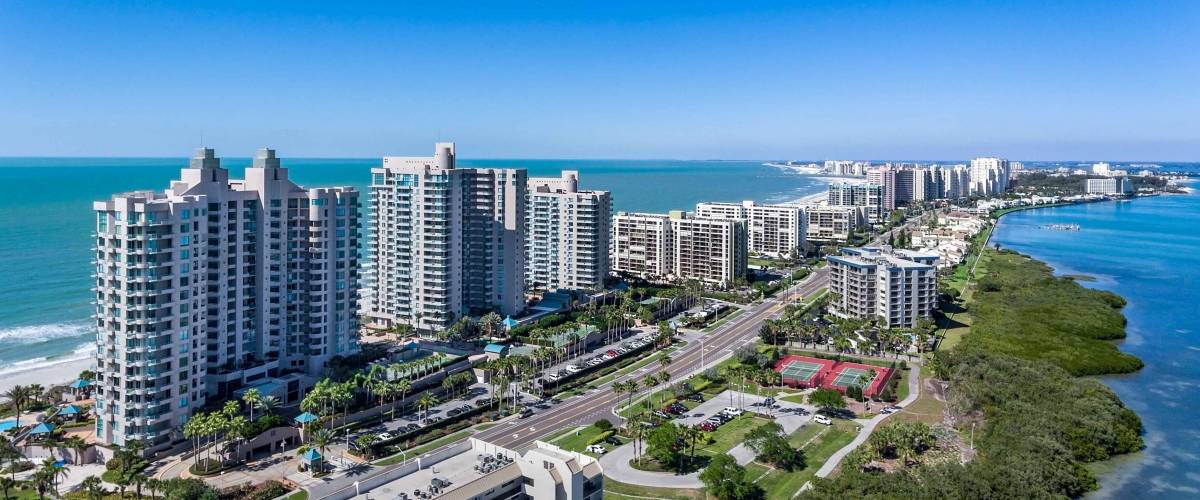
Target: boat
point(1061, 227)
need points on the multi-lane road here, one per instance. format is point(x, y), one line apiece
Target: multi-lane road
point(599, 402)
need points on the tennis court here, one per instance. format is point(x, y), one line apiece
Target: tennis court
point(850, 376)
point(801, 370)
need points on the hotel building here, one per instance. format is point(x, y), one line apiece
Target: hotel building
point(898, 287)
point(444, 241)
point(216, 284)
point(567, 233)
point(1108, 185)
point(642, 244)
point(774, 230)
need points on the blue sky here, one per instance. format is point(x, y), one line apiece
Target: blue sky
point(812, 80)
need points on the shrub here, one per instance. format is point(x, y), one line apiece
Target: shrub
point(603, 424)
point(599, 438)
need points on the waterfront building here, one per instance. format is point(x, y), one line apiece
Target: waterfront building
point(773, 230)
point(956, 181)
point(567, 233)
point(870, 196)
point(1109, 186)
point(216, 284)
point(989, 176)
point(707, 249)
point(1102, 168)
point(830, 224)
point(641, 244)
point(445, 242)
point(898, 287)
point(897, 184)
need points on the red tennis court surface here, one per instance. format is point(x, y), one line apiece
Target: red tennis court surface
point(805, 371)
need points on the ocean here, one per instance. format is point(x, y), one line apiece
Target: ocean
point(1148, 251)
point(46, 223)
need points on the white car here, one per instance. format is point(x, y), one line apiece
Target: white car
point(383, 436)
point(573, 368)
point(732, 411)
point(553, 376)
point(597, 449)
point(823, 420)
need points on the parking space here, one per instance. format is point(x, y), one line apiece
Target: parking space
point(599, 356)
point(790, 416)
point(476, 395)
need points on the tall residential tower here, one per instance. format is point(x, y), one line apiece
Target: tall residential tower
point(445, 242)
point(216, 284)
point(567, 233)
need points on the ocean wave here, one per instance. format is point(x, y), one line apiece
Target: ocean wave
point(30, 334)
point(82, 352)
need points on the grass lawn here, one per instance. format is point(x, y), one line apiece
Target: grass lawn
point(430, 446)
point(955, 330)
point(577, 439)
point(818, 442)
point(731, 434)
point(622, 491)
point(795, 398)
point(298, 495)
point(925, 409)
point(902, 389)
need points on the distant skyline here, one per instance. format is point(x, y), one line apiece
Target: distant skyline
point(1051, 81)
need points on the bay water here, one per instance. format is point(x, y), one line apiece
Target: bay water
point(1148, 251)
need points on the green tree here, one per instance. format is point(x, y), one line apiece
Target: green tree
point(252, 398)
point(665, 445)
point(727, 480)
point(770, 443)
point(827, 399)
point(18, 396)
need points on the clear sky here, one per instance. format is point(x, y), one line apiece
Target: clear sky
point(734, 80)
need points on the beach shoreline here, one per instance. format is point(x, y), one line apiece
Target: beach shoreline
point(61, 373)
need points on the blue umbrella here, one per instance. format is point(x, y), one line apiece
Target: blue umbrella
point(306, 418)
point(68, 410)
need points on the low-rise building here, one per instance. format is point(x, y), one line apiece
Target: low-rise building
point(897, 287)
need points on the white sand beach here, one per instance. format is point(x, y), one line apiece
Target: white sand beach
point(61, 373)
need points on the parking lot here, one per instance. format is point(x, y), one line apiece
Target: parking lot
point(598, 357)
point(790, 416)
point(476, 394)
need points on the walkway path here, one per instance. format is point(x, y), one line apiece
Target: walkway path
point(914, 391)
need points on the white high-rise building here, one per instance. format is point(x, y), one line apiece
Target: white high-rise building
point(827, 224)
point(641, 244)
point(566, 234)
point(989, 176)
point(445, 242)
point(1102, 168)
point(869, 196)
point(897, 286)
point(215, 284)
point(774, 230)
point(708, 249)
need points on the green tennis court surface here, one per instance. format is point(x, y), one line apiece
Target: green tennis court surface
point(801, 370)
point(849, 377)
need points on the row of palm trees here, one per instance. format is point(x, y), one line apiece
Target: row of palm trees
point(23, 397)
point(632, 387)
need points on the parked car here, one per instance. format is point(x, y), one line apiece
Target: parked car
point(822, 419)
point(695, 397)
point(597, 449)
point(384, 436)
point(732, 411)
point(527, 413)
point(453, 412)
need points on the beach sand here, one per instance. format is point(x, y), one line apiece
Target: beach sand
point(56, 374)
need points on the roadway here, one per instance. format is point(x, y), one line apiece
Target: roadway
point(600, 402)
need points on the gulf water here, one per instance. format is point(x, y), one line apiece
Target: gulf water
point(46, 223)
point(1148, 251)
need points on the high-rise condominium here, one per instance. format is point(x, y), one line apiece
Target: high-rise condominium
point(869, 196)
point(774, 230)
point(642, 244)
point(567, 234)
point(445, 241)
point(989, 176)
point(215, 284)
point(709, 250)
point(899, 287)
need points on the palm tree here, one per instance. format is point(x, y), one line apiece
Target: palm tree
point(78, 445)
point(425, 402)
point(251, 398)
point(648, 383)
point(154, 485)
point(320, 440)
point(138, 481)
point(7, 484)
point(402, 386)
point(10, 454)
point(18, 395)
point(490, 324)
point(54, 471)
point(43, 482)
point(268, 405)
point(663, 378)
point(36, 391)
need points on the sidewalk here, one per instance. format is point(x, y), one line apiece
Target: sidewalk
point(914, 391)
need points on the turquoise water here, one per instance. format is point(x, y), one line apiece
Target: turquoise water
point(46, 222)
point(1148, 251)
